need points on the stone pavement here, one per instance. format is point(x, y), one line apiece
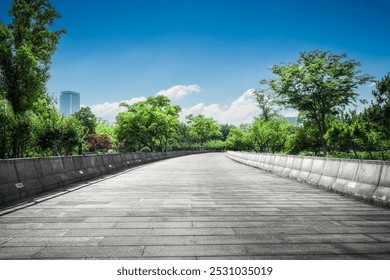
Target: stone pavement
point(197, 207)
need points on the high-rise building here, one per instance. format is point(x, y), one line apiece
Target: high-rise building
point(69, 102)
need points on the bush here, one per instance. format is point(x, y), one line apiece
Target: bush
point(145, 150)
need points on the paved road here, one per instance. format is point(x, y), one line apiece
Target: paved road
point(197, 207)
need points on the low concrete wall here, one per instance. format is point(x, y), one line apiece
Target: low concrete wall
point(362, 179)
point(21, 178)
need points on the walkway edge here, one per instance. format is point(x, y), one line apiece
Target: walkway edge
point(365, 180)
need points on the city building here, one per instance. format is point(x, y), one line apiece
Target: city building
point(69, 102)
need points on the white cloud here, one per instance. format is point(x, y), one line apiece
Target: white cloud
point(242, 110)
point(179, 91)
point(108, 111)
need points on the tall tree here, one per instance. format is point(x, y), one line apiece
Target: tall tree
point(203, 129)
point(87, 119)
point(319, 84)
point(265, 104)
point(379, 111)
point(151, 123)
point(26, 47)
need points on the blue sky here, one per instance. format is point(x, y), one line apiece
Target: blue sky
point(206, 55)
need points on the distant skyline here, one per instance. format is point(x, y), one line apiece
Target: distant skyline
point(207, 56)
point(69, 102)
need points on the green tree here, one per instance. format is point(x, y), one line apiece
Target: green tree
point(319, 84)
point(355, 132)
point(379, 111)
point(7, 121)
point(265, 104)
point(87, 119)
point(239, 140)
point(26, 47)
point(104, 127)
point(270, 136)
point(151, 123)
point(58, 135)
point(203, 129)
point(225, 130)
point(184, 139)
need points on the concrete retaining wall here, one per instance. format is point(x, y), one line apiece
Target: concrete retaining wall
point(21, 178)
point(362, 179)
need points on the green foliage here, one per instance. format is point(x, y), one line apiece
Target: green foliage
point(270, 136)
point(87, 119)
point(151, 123)
point(203, 129)
point(225, 130)
point(304, 140)
point(184, 139)
point(7, 121)
point(58, 135)
point(145, 150)
point(319, 85)
point(265, 104)
point(26, 47)
point(215, 145)
point(239, 140)
point(356, 133)
point(103, 127)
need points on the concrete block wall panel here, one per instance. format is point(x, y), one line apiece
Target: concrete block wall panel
point(263, 159)
point(277, 162)
point(243, 158)
point(258, 160)
point(381, 196)
point(289, 166)
point(120, 163)
point(329, 175)
point(69, 174)
point(346, 177)
point(28, 176)
point(265, 164)
point(58, 169)
point(78, 162)
point(113, 162)
point(142, 157)
point(296, 168)
point(254, 160)
point(45, 174)
point(8, 178)
point(101, 167)
point(270, 163)
point(282, 162)
point(250, 157)
point(106, 160)
point(367, 179)
point(304, 172)
point(83, 164)
point(125, 162)
point(137, 158)
point(95, 165)
point(316, 171)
